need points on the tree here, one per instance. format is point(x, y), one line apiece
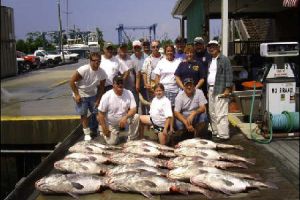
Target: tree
point(100, 37)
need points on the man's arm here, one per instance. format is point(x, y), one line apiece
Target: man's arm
point(100, 92)
point(102, 122)
point(129, 114)
point(75, 78)
point(200, 83)
point(186, 123)
point(179, 82)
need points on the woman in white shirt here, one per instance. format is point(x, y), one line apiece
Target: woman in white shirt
point(160, 114)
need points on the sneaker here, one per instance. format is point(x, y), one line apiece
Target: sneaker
point(87, 137)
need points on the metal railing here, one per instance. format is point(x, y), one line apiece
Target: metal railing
point(243, 48)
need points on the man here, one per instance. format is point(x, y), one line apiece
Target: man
point(148, 67)
point(87, 84)
point(138, 58)
point(146, 48)
point(190, 110)
point(117, 112)
point(110, 65)
point(180, 43)
point(202, 56)
point(219, 83)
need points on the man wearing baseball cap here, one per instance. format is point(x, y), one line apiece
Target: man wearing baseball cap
point(202, 56)
point(111, 65)
point(180, 43)
point(190, 111)
point(219, 81)
point(117, 113)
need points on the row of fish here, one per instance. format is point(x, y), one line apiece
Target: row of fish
point(148, 168)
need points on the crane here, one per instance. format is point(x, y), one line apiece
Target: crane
point(121, 31)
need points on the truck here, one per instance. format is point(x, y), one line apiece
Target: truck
point(48, 59)
point(70, 57)
point(31, 61)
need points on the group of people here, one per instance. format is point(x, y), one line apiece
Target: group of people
point(180, 90)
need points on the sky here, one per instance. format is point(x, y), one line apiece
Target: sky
point(42, 15)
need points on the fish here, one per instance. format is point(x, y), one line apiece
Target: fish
point(208, 144)
point(128, 158)
point(148, 184)
point(92, 147)
point(211, 154)
point(80, 166)
point(148, 151)
point(137, 167)
point(97, 158)
point(71, 184)
point(183, 161)
point(144, 142)
point(227, 184)
point(185, 173)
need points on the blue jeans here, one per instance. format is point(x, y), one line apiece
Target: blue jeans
point(202, 117)
point(88, 103)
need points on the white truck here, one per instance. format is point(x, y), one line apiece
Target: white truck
point(69, 56)
point(48, 59)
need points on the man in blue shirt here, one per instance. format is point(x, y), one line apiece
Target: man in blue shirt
point(180, 43)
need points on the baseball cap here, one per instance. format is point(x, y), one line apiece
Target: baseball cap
point(188, 80)
point(180, 40)
point(198, 40)
point(136, 43)
point(118, 79)
point(107, 44)
point(213, 42)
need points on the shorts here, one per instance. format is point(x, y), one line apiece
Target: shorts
point(171, 96)
point(202, 117)
point(86, 103)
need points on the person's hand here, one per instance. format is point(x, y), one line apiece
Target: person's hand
point(77, 98)
point(123, 122)
point(190, 128)
point(190, 118)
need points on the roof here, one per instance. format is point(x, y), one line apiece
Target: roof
point(235, 6)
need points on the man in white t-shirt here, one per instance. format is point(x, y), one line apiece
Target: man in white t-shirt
point(149, 65)
point(117, 112)
point(111, 65)
point(190, 110)
point(87, 84)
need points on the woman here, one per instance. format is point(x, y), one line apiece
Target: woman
point(160, 114)
point(190, 68)
point(165, 70)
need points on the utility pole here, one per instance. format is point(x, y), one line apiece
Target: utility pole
point(60, 32)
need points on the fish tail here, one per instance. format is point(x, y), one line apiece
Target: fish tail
point(238, 147)
point(240, 165)
point(260, 184)
point(169, 164)
point(209, 194)
point(250, 161)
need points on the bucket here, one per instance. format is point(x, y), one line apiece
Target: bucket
point(249, 85)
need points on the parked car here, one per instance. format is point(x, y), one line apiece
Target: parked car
point(48, 59)
point(31, 61)
point(21, 65)
point(70, 57)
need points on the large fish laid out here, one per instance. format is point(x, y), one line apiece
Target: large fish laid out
point(144, 142)
point(183, 161)
point(148, 184)
point(129, 158)
point(93, 147)
point(80, 166)
point(136, 168)
point(207, 144)
point(226, 183)
point(211, 154)
point(148, 151)
point(97, 158)
point(185, 173)
point(70, 183)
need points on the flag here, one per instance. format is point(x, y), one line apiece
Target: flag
point(290, 3)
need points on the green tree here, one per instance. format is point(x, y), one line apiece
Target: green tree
point(100, 37)
point(21, 45)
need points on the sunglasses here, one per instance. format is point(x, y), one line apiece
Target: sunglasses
point(96, 60)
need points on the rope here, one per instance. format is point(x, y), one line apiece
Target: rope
point(287, 121)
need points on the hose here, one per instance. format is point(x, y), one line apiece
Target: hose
point(286, 121)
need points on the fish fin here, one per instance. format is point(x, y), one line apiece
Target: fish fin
point(146, 183)
point(78, 186)
point(238, 147)
point(264, 184)
point(73, 195)
point(225, 191)
point(147, 194)
point(254, 176)
point(251, 161)
point(241, 165)
point(271, 185)
point(209, 194)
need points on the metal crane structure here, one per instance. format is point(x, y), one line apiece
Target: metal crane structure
point(121, 30)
